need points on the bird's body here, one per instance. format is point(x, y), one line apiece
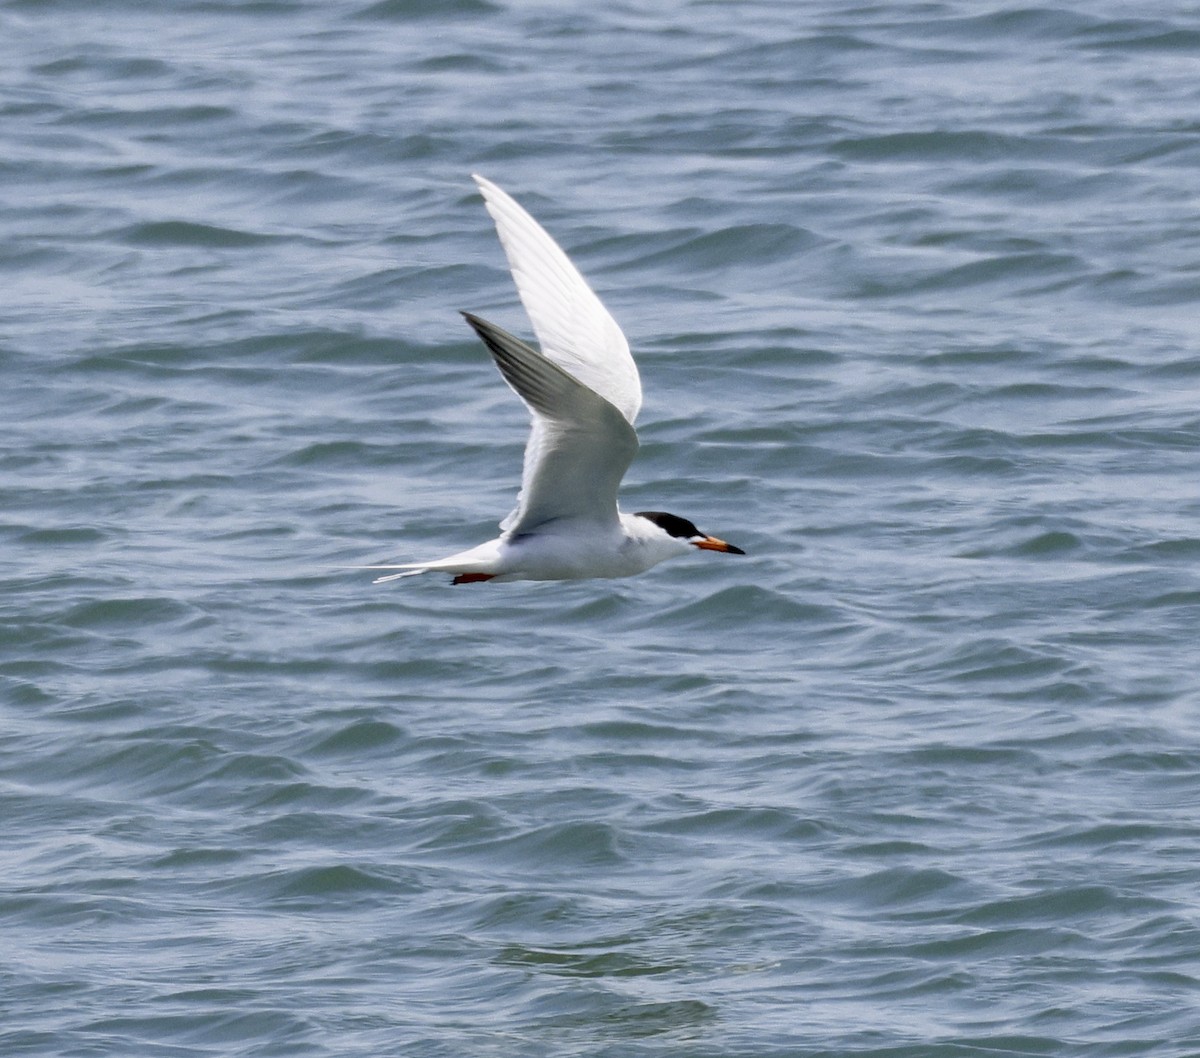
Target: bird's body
point(569, 550)
point(583, 393)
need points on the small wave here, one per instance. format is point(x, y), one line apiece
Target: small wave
point(415, 10)
point(125, 614)
point(189, 233)
point(362, 737)
point(733, 602)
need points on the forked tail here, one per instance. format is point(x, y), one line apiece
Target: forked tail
point(397, 576)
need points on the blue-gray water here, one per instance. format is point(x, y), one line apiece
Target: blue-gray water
point(913, 288)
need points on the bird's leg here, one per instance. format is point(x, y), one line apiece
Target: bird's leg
point(472, 578)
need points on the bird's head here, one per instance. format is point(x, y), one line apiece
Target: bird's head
point(686, 532)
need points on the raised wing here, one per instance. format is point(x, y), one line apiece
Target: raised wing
point(580, 445)
point(574, 329)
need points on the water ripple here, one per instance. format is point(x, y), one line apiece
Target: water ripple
point(913, 297)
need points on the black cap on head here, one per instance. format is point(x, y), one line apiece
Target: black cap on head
point(671, 524)
point(682, 529)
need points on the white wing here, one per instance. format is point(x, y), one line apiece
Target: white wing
point(580, 447)
point(574, 329)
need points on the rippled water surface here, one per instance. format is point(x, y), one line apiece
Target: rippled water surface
point(913, 288)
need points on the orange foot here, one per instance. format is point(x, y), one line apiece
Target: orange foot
point(472, 578)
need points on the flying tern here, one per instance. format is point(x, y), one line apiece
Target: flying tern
point(583, 394)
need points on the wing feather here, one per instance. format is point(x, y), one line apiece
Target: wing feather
point(580, 445)
point(574, 328)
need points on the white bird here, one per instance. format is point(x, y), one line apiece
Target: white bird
point(583, 393)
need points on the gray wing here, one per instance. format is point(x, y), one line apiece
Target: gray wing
point(580, 445)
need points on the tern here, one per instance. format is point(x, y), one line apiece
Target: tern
point(583, 393)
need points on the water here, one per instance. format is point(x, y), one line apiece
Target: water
point(913, 290)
